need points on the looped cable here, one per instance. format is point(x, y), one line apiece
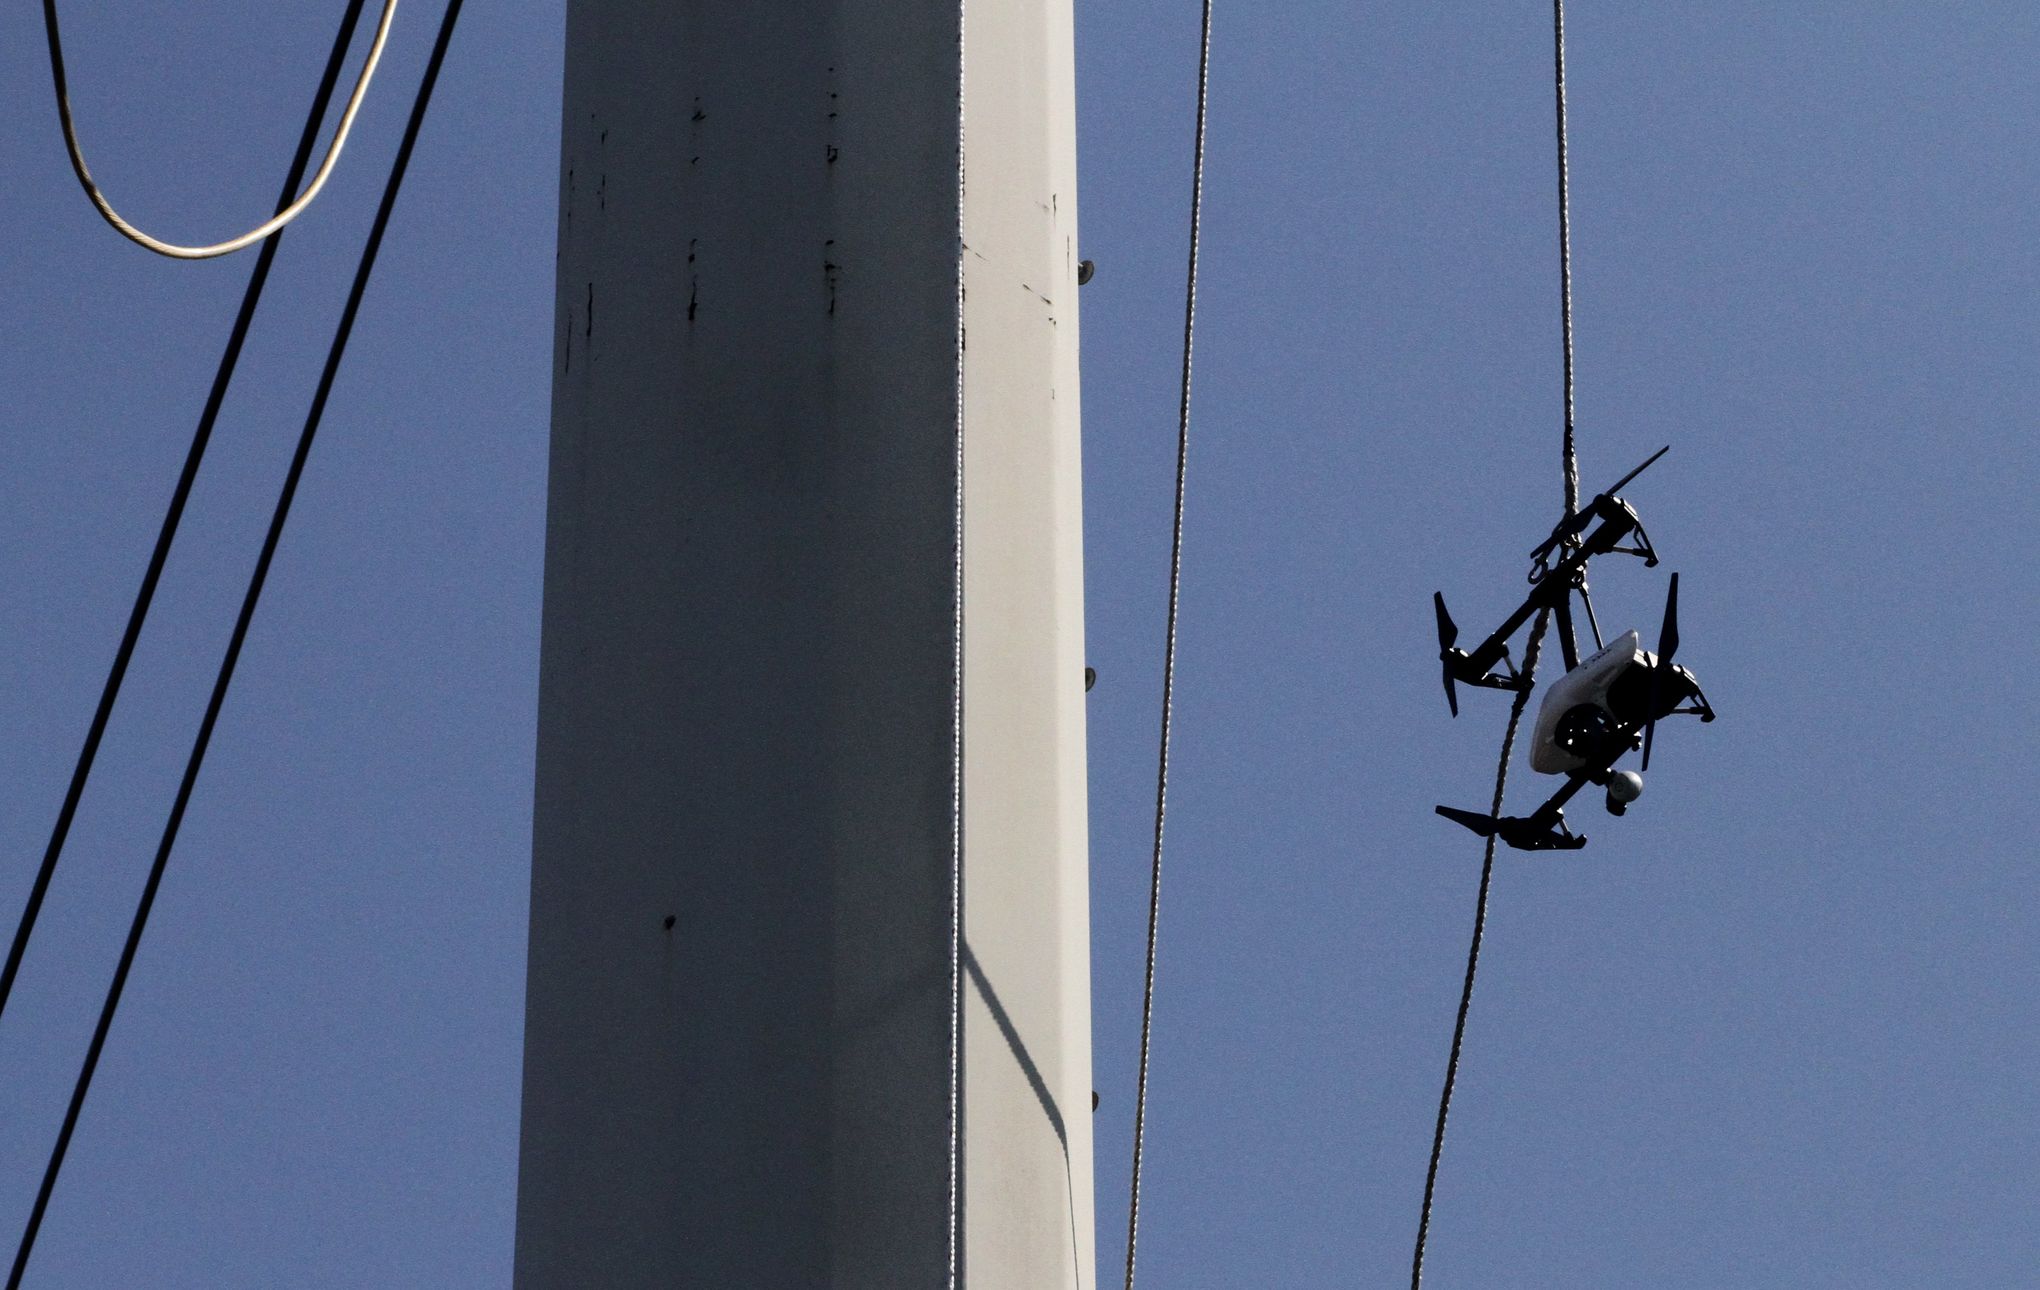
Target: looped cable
point(253, 235)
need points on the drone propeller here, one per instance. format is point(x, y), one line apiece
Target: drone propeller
point(1448, 632)
point(1577, 522)
point(1647, 462)
point(1668, 644)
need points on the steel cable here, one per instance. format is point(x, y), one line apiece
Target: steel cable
point(167, 533)
point(1487, 873)
point(1147, 1006)
point(1572, 464)
point(233, 651)
point(1530, 653)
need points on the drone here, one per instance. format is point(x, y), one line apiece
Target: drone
point(1606, 705)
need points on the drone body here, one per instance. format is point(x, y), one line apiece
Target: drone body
point(1606, 705)
point(1607, 692)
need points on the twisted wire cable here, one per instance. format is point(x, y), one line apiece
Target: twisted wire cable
point(1147, 1006)
point(1487, 873)
point(1570, 460)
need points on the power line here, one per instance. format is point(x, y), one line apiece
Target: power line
point(1147, 1005)
point(290, 209)
point(239, 637)
point(1570, 461)
point(167, 534)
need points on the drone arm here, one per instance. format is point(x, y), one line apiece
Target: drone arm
point(1574, 782)
point(1549, 592)
point(1490, 652)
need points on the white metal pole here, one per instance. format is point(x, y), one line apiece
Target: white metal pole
point(813, 257)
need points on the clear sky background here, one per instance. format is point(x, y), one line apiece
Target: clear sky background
point(1773, 1028)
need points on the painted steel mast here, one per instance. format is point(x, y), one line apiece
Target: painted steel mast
point(808, 999)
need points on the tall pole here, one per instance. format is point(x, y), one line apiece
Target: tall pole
point(808, 996)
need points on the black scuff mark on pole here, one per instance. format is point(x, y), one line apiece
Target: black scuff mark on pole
point(693, 279)
point(831, 152)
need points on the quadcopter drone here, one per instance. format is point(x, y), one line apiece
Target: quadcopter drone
point(1607, 704)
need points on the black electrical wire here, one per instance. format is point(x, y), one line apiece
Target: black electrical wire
point(223, 378)
point(240, 634)
point(1572, 500)
point(1147, 1004)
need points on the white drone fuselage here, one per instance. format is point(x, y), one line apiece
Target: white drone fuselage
point(1589, 683)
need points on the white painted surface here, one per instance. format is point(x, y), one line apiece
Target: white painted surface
point(1587, 683)
point(747, 694)
point(1027, 1011)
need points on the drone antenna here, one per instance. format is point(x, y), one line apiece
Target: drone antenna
point(1623, 482)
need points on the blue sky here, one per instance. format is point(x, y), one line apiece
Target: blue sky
point(1772, 1028)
